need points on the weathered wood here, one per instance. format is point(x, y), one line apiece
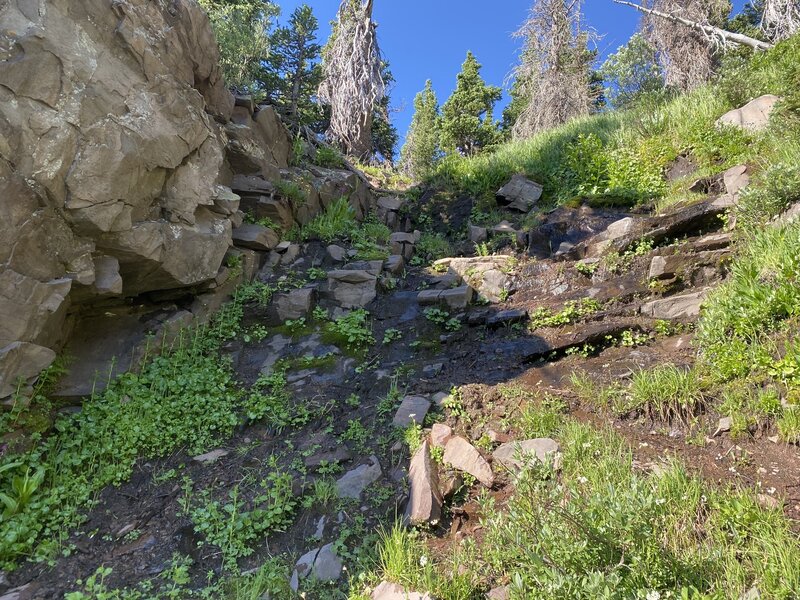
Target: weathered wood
point(709, 30)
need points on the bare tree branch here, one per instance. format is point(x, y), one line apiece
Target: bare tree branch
point(353, 84)
point(706, 29)
point(781, 19)
point(553, 74)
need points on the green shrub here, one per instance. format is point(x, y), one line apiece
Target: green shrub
point(430, 248)
point(338, 221)
point(328, 157)
point(292, 192)
point(773, 190)
point(760, 294)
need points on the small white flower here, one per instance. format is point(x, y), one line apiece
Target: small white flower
point(423, 560)
point(659, 502)
point(654, 595)
point(582, 479)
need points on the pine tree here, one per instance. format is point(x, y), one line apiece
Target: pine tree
point(293, 72)
point(467, 123)
point(633, 73)
point(242, 30)
point(422, 148)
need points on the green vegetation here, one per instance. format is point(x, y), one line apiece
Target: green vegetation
point(761, 297)
point(328, 157)
point(233, 527)
point(352, 331)
point(467, 124)
point(620, 156)
point(430, 248)
point(292, 70)
point(667, 392)
point(573, 311)
point(292, 192)
point(423, 143)
point(182, 396)
point(338, 220)
point(633, 73)
point(604, 529)
point(242, 30)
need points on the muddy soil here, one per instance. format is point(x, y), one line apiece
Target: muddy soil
point(137, 528)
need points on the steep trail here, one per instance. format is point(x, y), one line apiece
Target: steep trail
point(339, 424)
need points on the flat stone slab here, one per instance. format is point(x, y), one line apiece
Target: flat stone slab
point(516, 455)
point(685, 306)
point(412, 410)
point(393, 591)
point(255, 237)
point(507, 317)
point(354, 482)
point(462, 455)
point(211, 457)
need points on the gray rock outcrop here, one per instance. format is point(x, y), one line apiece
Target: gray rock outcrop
point(110, 151)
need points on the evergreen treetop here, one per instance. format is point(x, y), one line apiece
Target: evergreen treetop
point(467, 123)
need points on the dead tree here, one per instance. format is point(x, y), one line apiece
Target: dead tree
point(781, 19)
point(708, 30)
point(552, 78)
point(352, 83)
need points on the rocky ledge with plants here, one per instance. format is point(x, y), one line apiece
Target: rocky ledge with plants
point(566, 367)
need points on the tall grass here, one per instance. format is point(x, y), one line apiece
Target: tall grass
point(642, 140)
point(763, 291)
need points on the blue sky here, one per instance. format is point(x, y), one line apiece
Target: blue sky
point(429, 39)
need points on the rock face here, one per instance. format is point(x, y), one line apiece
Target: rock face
point(125, 166)
point(109, 158)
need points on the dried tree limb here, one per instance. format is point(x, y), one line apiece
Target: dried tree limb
point(708, 30)
point(553, 74)
point(781, 19)
point(352, 83)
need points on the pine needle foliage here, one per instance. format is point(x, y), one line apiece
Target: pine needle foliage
point(467, 122)
point(422, 147)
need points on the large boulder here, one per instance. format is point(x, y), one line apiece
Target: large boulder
point(110, 154)
point(753, 116)
point(352, 289)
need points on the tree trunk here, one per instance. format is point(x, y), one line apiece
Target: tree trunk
point(710, 30)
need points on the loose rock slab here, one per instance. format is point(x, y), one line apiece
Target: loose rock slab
point(412, 410)
point(465, 457)
point(685, 306)
point(515, 455)
point(354, 482)
point(321, 564)
point(425, 501)
point(393, 591)
point(520, 193)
